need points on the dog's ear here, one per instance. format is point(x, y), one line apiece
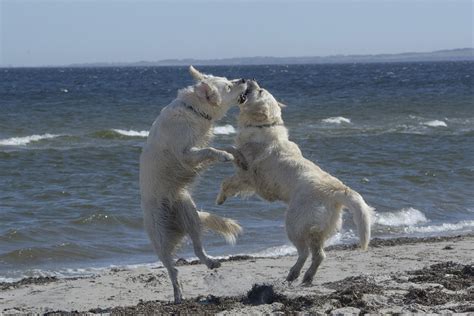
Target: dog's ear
point(207, 91)
point(195, 73)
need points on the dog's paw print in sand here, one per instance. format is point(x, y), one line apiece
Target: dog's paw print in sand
point(213, 278)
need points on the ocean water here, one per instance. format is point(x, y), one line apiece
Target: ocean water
point(402, 134)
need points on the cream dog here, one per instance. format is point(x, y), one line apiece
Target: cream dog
point(175, 152)
point(278, 171)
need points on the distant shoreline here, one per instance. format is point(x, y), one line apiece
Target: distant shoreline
point(454, 55)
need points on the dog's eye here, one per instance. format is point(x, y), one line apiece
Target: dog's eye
point(260, 91)
point(228, 87)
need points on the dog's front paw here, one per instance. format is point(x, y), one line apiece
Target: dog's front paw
point(221, 198)
point(307, 281)
point(178, 299)
point(225, 156)
point(241, 162)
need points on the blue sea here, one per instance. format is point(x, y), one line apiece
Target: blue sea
point(401, 134)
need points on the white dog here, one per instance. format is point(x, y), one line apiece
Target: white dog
point(278, 171)
point(175, 151)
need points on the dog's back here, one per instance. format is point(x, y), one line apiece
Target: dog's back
point(278, 171)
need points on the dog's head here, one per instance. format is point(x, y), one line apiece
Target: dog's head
point(258, 107)
point(219, 93)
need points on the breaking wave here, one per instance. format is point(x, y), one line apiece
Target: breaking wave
point(21, 141)
point(131, 133)
point(224, 130)
point(277, 251)
point(337, 120)
point(445, 227)
point(436, 123)
point(120, 133)
point(405, 217)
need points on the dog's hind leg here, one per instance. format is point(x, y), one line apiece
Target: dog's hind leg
point(303, 253)
point(164, 254)
point(318, 255)
point(173, 274)
point(165, 235)
point(296, 234)
point(192, 226)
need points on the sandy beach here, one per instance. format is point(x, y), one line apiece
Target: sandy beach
point(423, 275)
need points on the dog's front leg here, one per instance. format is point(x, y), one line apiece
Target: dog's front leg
point(231, 187)
point(195, 156)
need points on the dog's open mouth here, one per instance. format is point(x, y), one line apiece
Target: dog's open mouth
point(243, 96)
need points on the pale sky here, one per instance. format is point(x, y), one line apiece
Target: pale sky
point(61, 32)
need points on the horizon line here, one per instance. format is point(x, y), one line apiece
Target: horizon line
point(210, 61)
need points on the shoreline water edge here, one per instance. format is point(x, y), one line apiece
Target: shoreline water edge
point(401, 275)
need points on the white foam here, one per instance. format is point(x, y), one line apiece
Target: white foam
point(435, 123)
point(463, 225)
point(405, 217)
point(131, 133)
point(224, 130)
point(73, 272)
point(8, 280)
point(19, 141)
point(219, 130)
point(341, 237)
point(277, 251)
point(337, 120)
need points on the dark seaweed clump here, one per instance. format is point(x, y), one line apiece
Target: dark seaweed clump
point(27, 281)
point(453, 276)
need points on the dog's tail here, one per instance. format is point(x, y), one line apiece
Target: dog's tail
point(227, 227)
point(361, 212)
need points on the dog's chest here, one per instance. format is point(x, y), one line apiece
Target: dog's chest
point(268, 190)
point(261, 173)
point(203, 139)
point(200, 135)
point(265, 182)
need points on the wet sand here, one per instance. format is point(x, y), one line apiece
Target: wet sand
point(405, 275)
